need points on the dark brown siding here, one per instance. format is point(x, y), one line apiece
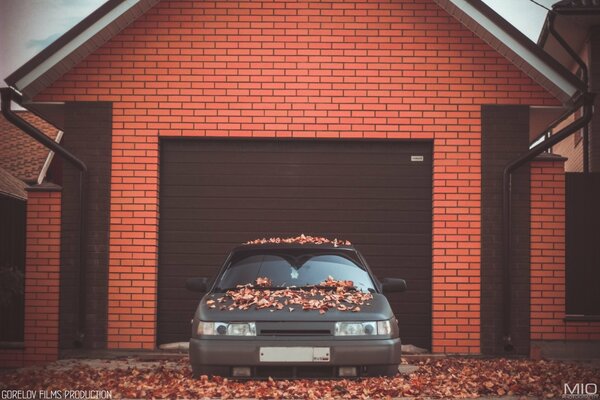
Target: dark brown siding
point(215, 194)
point(12, 268)
point(583, 244)
point(594, 71)
point(88, 128)
point(504, 137)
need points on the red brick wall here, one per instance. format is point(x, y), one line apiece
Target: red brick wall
point(342, 69)
point(42, 265)
point(548, 258)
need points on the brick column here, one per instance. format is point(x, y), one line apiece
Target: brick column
point(547, 247)
point(42, 274)
point(548, 260)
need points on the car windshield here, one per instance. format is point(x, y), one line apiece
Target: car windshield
point(290, 270)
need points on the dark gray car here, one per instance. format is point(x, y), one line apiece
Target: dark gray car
point(294, 310)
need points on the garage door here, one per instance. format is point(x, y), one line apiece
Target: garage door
point(215, 194)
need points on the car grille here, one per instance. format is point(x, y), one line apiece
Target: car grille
point(300, 328)
point(295, 332)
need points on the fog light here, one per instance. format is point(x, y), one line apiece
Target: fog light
point(222, 329)
point(347, 371)
point(241, 371)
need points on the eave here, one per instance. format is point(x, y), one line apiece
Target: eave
point(516, 47)
point(76, 44)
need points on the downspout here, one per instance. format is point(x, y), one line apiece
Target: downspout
point(7, 96)
point(586, 100)
point(584, 78)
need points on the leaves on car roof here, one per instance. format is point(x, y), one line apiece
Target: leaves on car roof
point(327, 295)
point(302, 239)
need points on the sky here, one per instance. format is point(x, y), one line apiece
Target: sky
point(28, 26)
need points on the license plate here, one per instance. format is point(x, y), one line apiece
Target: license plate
point(294, 354)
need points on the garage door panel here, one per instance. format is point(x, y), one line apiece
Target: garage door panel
point(215, 194)
point(289, 171)
point(276, 203)
point(310, 225)
point(175, 247)
point(299, 162)
point(289, 155)
point(274, 178)
point(301, 192)
point(399, 250)
point(407, 271)
point(396, 252)
point(332, 215)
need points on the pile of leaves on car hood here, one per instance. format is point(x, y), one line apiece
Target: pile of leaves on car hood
point(443, 378)
point(302, 239)
point(327, 295)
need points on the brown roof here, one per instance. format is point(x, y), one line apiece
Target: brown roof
point(20, 154)
point(577, 4)
point(11, 186)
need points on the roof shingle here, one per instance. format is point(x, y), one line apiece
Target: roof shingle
point(20, 154)
point(576, 4)
point(11, 186)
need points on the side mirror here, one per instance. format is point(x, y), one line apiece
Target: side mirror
point(391, 285)
point(197, 284)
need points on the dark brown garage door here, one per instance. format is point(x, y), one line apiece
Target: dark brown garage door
point(215, 194)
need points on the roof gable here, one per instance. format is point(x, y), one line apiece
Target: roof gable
point(515, 46)
point(72, 47)
point(110, 19)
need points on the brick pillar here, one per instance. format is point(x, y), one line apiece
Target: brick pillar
point(551, 334)
point(42, 274)
point(547, 247)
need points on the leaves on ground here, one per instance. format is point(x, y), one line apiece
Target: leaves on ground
point(443, 378)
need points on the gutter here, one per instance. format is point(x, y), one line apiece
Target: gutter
point(7, 94)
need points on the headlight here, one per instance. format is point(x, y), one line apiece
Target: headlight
point(226, 329)
point(384, 327)
point(363, 328)
point(242, 329)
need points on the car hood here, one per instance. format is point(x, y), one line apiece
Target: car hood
point(378, 309)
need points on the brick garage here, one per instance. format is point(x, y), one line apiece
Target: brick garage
point(404, 70)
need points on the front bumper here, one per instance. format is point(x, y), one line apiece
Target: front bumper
point(372, 357)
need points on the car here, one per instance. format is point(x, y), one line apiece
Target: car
point(295, 309)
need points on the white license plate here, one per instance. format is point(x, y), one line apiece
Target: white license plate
point(294, 354)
